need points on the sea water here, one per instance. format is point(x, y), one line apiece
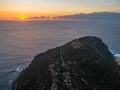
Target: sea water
point(20, 41)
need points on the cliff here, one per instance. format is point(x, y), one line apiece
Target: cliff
point(82, 64)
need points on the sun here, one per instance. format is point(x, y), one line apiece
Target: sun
point(22, 18)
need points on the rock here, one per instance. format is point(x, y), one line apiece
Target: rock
point(82, 64)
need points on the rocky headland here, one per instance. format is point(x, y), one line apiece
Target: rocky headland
point(82, 64)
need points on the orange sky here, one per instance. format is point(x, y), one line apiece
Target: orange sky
point(29, 8)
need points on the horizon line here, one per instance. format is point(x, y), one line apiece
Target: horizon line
point(56, 17)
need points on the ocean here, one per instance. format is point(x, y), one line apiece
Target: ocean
point(20, 41)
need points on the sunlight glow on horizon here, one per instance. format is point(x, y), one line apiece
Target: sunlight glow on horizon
point(22, 18)
point(29, 8)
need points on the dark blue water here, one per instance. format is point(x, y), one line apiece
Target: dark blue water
point(20, 41)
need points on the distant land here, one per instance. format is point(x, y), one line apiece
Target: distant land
point(94, 15)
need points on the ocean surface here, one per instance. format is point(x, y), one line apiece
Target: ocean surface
point(20, 41)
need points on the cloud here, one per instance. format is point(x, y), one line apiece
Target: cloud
point(95, 15)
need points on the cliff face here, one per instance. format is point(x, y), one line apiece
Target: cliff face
point(82, 64)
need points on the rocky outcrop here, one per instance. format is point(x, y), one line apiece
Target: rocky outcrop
point(82, 64)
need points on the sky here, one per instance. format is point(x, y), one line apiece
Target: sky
point(30, 8)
